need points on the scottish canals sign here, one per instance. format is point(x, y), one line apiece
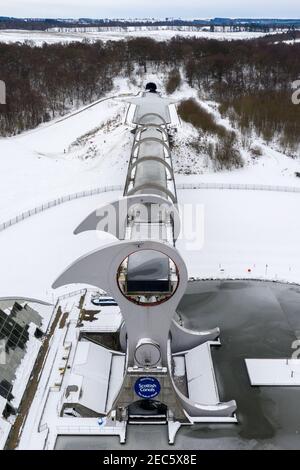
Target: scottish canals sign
point(147, 387)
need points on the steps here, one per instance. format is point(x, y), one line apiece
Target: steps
point(147, 412)
point(147, 419)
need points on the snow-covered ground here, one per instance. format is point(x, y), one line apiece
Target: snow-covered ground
point(290, 41)
point(91, 149)
point(261, 230)
point(247, 234)
point(272, 167)
point(44, 245)
point(64, 157)
point(240, 233)
point(51, 37)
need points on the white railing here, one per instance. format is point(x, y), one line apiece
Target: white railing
point(111, 328)
point(105, 189)
point(71, 294)
point(238, 186)
point(57, 202)
point(89, 430)
point(78, 292)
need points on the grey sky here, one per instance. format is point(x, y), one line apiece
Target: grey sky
point(150, 8)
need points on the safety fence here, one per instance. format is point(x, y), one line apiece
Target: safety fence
point(238, 186)
point(106, 189)
point(57, 202)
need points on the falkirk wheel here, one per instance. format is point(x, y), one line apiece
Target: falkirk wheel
point(145, 274)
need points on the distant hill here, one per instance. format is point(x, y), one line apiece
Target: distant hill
point(248, 23)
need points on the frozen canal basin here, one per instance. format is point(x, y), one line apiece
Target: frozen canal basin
point(257, 320)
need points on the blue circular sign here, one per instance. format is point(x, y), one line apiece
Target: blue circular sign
point(147, 387)
point(102, 422)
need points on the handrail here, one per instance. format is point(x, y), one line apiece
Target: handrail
point(57, 202)
point(239, 186)
point(184, 186)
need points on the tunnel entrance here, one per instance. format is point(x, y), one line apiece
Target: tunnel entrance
point(151, 87)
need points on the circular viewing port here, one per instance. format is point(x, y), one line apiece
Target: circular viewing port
point(148, 277)
point(147, 353)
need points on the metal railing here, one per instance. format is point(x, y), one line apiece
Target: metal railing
point(87, 430)
point(239, 186)
point(186, 186)
point(71, 294)
point(57, 202)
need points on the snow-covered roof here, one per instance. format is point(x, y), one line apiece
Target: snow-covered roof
point(93, 366)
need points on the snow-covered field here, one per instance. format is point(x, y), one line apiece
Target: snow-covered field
point(273, 167)
point(245, 231)
point(52, 37)
point(241, 233)
point(291, 41)
point(42, 246)
point(247, 234)
point(50, 162)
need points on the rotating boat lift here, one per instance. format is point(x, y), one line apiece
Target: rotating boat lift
point(168, 374)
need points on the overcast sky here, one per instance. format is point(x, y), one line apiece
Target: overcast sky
point(150, 8)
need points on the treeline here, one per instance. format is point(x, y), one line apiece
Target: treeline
point(42, 83)
point(252, 82)
point(46, 23)
point(250, 79)
point(271, 114)
point(31, 25)
point(223, 148)
point(235, 24)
